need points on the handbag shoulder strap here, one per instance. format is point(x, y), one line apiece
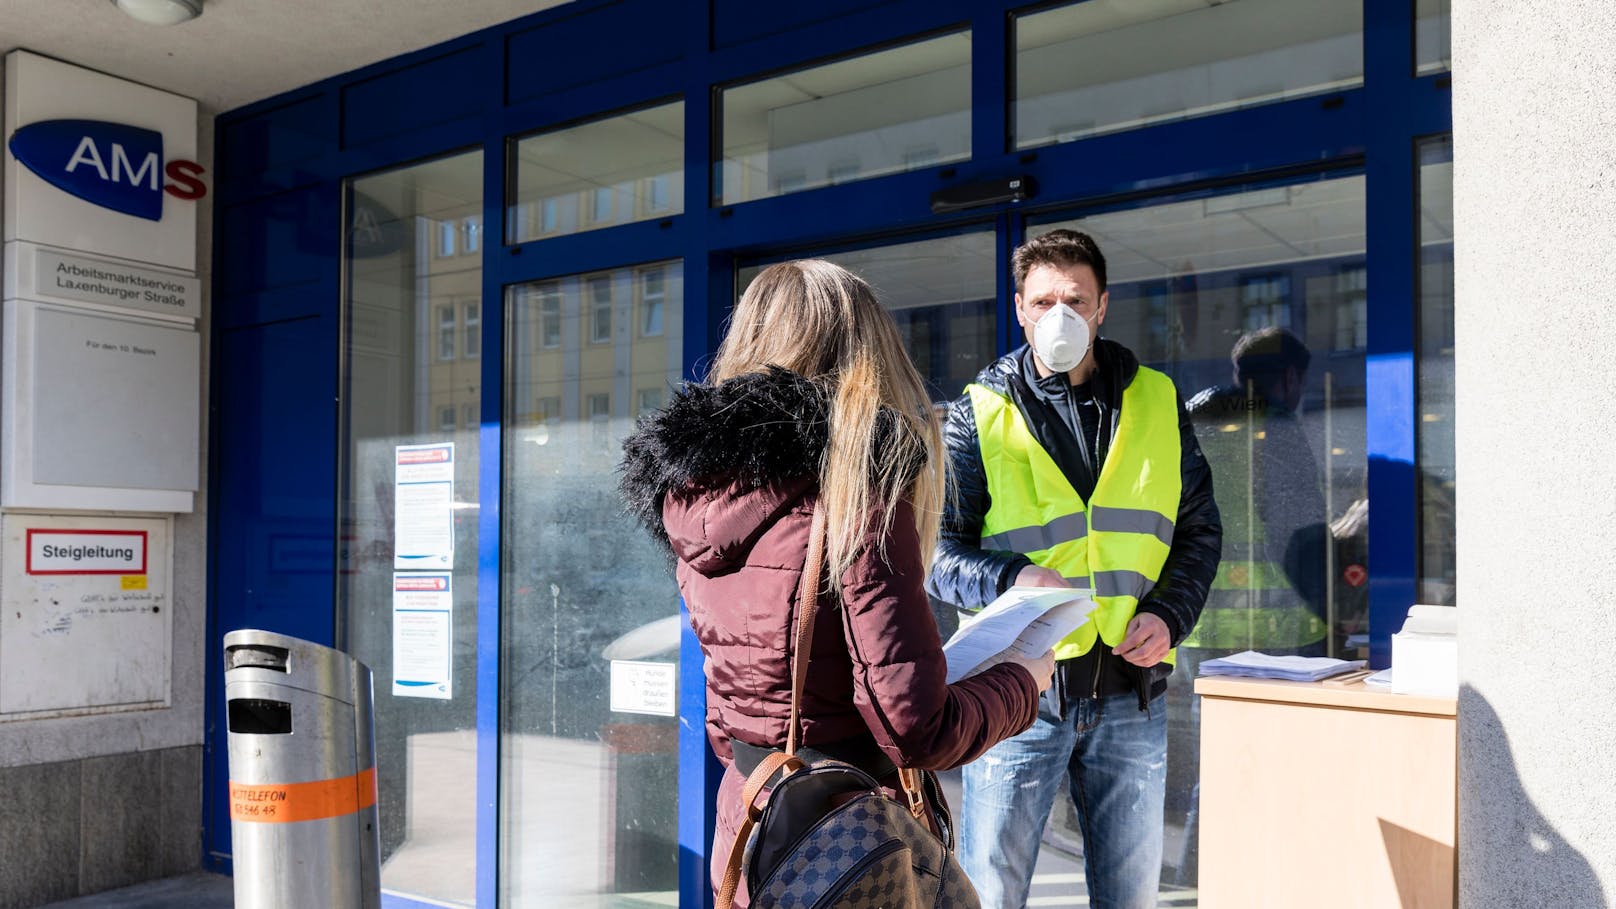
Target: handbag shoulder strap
point(803, 634)
point(813, 569)
point(801, 649)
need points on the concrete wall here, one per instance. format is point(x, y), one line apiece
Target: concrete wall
point(90, 803)
point(1535, 256)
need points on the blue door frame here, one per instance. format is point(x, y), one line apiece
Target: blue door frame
point(281, 167)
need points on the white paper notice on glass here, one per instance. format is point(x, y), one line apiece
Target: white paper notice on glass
point(423, 506)
point(1026, 620)
point(640, 686)
point(423, 635)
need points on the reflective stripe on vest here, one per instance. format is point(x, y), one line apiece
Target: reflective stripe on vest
point(1232, 620)
point(1115, 544)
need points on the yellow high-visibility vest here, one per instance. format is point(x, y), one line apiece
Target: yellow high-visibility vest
point(1117, 542)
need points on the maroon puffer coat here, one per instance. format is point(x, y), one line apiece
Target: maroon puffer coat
point(727, 477)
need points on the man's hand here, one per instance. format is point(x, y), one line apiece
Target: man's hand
point(1039, 576)
point(1147, 640)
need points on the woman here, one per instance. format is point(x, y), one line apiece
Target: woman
point(813, 400)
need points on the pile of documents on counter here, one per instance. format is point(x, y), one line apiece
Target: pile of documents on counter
point(1254, 665)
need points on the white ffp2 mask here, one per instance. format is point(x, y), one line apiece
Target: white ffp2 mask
point(1061, 338)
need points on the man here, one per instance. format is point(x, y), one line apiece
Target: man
point(1269, 592)
point(1076, 467)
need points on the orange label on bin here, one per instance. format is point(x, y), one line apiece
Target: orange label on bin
point(283, 803)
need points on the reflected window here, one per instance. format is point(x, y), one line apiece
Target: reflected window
point(410, 309)
point(1265, 300)
point(473, 228)
point(473, 326)
point(653, 295)
point(1433, 36)
point(847, 120)
point(617, 170)
point(447, 328)
point(649, 399)
point(600, 310)
point(658, 194)
point(1352, 309)
point(549, 321)
point(1434, 373)
point(1094, 67)
point(577, 624)
point(548, 409)
point(941, 294)
point(1241, 299)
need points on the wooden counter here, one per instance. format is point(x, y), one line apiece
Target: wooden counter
point(1326, 797)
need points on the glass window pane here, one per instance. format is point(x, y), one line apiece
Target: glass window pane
point(1098, 67)
point(1435, 372)
point(588, 794)
point(1252, 303)
point(848, 120)
point(405, 386)
point(616, 171)
point(941, 294)
point(1433, 33)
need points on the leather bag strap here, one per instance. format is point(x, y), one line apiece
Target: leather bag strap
point(807, 607)
point(802, 639)
point(813, 568)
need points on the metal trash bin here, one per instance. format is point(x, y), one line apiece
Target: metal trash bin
point(302, 774)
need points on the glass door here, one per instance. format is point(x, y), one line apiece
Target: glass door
point(407, 587)
point(589, 756)
point(1254, 303)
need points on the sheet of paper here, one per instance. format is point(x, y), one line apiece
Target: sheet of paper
point(423, 496)
point(423, 635)
point(1029, 619)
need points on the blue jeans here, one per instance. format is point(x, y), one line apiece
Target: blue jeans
point(1115, 757)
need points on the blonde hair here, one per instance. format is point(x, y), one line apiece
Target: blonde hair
point(823, 322)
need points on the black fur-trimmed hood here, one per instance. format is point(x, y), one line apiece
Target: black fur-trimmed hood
point(753, 429)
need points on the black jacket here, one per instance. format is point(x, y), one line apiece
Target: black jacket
point(968, 576)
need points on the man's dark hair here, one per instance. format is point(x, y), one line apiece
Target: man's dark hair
point(1264, 355)
point(1061, 248)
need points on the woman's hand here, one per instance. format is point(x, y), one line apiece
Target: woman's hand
point(1042, 668)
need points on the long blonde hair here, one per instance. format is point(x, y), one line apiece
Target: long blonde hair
point(823, 322)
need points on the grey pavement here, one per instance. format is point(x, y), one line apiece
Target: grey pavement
point(199, 890)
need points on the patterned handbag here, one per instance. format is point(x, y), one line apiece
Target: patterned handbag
point(827, 836)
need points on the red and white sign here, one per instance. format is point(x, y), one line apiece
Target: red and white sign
point(86, 551)
point(432, 582)
point(1355, 575)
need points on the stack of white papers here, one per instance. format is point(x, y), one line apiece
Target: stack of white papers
point(1254, 665)
point(1027, 621)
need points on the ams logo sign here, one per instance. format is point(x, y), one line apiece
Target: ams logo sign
point(112, 165)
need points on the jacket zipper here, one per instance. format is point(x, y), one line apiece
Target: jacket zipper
point(1099, 441)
